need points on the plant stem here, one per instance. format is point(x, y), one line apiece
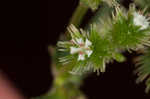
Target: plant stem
point(78, 15)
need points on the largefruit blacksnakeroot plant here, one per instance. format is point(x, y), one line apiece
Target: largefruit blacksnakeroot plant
point(89, 50)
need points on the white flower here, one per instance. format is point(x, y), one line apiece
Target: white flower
point(83, 48)
point(140, 20)
point(81, 57)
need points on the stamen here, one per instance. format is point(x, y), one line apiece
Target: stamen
point(87, 48)
point(81, 45)
point(81, 53)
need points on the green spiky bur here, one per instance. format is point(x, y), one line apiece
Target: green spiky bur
point(125, 34)
point(143, 69)
point(102, 52)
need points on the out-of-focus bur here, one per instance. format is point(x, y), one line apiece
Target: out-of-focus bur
point(143, 69)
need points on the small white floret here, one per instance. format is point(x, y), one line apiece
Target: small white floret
point(140, 20)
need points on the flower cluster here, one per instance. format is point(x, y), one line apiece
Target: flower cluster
point(140, 20)
point(91, 50)
point(81, 47)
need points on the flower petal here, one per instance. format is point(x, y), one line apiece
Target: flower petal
point(74, 50)
point(81, 57)
point(87, 43)
point(80, 41)
point(89, 52)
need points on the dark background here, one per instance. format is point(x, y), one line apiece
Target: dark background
point(27, 30)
